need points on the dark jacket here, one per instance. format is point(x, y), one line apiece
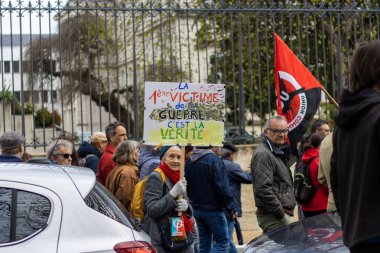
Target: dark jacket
point(236, 177)
point(207, 182)
point(91, 154)
point(148, 162)
point(5, 158)
point(356, 177)
point(158, 203)
point(272, 180)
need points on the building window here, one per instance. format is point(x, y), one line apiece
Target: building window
point(54, 95)
point(25, 65)
point(18, 95)
point(7, 67)
point(16, 67)
point(36, 96)
point(27, 96)
point(46, 96)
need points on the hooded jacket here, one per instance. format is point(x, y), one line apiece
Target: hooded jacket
point(272, 180)
point(149, 161)
point(207, 182)
point(355, 175)
point(319, 200)
point(91, 154)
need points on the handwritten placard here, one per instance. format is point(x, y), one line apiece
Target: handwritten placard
point(184, 113)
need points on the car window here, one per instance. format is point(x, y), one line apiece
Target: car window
point(102, 201)
point(22, 214)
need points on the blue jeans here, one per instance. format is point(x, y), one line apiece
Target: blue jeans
point(212, 226)
point(231, 229)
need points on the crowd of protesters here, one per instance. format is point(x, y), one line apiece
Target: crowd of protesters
point(343, 169)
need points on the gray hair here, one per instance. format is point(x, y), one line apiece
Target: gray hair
point(125, 152)
point(277, 117)
point(53, 148)
point(111, 129)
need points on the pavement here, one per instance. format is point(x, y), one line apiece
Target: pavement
point(248, 223)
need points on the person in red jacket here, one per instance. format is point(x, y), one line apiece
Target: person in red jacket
point(116, 133)
point(318, 204)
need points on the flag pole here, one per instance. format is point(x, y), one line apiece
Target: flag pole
point(330, 97)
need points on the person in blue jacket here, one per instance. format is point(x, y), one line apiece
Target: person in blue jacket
point(210, 196)
point(149, 160)
point(12, 146)
point(90, 152)
point(236, 177)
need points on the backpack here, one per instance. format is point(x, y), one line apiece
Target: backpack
point(83, 160)
point(137, 201)
point(304, 189)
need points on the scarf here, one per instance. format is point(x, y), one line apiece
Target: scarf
point(174, 176)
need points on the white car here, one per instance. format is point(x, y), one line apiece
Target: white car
point(49, 208)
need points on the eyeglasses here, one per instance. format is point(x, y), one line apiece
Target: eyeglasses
point(275, 131)
point(66, 156)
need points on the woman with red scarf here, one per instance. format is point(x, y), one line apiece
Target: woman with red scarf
point(161, 199)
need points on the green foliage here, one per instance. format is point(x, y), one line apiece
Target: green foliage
point(44, 118)
point(245, 45)
point(327, 112)
point(57, 118)
point(28, 108)
point(6, 95)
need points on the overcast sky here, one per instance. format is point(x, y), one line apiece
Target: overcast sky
point(11, 22)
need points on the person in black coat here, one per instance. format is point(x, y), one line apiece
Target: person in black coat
point(355, 174)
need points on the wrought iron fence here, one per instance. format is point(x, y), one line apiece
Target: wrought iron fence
point(76, 66)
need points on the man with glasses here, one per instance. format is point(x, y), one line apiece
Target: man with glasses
point(116, 133)
point(272, 179)
point(12, 146)
point(60, 152)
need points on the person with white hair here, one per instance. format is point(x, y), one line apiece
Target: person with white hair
point(60, 152)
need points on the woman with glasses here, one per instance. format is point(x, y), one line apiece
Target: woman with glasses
point(122, 179)
point(60, 152)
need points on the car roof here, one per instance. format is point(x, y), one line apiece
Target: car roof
point(53, 177)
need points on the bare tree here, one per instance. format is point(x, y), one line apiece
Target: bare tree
point(82, 56)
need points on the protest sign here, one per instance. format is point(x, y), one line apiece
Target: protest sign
point(184, 113)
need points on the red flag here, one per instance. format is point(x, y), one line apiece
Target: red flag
point(298, 92)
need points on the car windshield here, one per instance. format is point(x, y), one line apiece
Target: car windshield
point(102, 201)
